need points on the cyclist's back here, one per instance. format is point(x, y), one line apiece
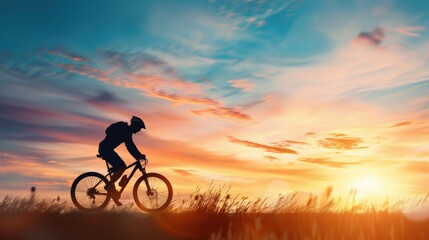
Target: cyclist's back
point(116, 134)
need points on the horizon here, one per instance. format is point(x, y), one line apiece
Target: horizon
point(267, 97)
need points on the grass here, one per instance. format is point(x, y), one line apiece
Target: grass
point(218, 215)
point(32, 204)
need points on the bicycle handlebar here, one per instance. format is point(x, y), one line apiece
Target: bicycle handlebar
point(145, 161)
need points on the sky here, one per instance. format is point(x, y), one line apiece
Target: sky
point(269, 97)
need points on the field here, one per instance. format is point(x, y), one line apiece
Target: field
point(215, 214)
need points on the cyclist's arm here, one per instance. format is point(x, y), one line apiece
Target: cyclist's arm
point(132, 148)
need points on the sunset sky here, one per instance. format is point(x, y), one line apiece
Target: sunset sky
point(269, 97)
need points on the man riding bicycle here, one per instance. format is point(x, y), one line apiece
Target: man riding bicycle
point(117, 134)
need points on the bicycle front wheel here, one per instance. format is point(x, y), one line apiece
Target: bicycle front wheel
point(88, 193)
point(155, 198)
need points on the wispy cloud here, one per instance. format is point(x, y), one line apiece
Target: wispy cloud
point(223, 112)
point(18, 181)
point(246, 14)
point(412, 31)
point(267, 148)
point(105, 97)
point(401, 124)
point(185, 173)
point(146, 73)
point(286, 143)
point(243, 84)
point(271, 158)
point(136, 61)
point(341, 142)
point(62, 52)
point(325, 161)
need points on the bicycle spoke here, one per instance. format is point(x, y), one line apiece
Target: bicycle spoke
point(160, 190)
point(88, 193)
point(81, 188)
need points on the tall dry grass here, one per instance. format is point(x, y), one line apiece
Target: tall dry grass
point(320, 216)
point(217, 199)
point(32, 204)
point(217, 214)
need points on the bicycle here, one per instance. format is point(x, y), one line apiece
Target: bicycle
point(152, 192)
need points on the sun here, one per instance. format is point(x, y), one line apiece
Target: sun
point(368, 185)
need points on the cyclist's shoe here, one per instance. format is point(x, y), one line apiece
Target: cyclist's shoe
point(115, 196)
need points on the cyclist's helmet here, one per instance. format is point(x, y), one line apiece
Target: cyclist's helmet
point(139, 121)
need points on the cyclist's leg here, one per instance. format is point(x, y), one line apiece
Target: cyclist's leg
point(118, 164)
point(118, 167)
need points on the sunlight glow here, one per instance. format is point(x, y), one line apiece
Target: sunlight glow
point(368, 186)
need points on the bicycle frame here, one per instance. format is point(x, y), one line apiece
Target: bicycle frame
point(137, 166)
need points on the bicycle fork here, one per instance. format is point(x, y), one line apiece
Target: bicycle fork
point(149, 189)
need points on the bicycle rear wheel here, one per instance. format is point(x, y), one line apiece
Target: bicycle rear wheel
point(158, 197)
point(88, 193)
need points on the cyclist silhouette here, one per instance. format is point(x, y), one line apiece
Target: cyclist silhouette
point(116, 134)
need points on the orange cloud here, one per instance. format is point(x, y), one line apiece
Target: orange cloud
point(401, 124)
point(286, 143)
point(224, 112)
point(323, 161)
point(341, 142)
point(262, 146)
point(183, 99)
point(271, 158)
point(416, 167)
point(184, 173)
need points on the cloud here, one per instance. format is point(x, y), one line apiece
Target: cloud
point(185, 173)
point(341, 141)
point(409, 30)
point(145, 73)
point(286, 143)
point(35, 99)
point(62, 52)
point(27, 121)
point(324, 161)
point(267, 148)
point(134, 61)
point(242, 84)
point(401, 124)
point(19, 181)
point(184, 99)
point(215, 108)
point(245, 14)
point(106, 97)
point(271, 158)
point(416, 167)
point(372, 38)
point(223, 112)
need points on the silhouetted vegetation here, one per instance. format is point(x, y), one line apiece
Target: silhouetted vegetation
point(32, 204)
point(216, 214)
